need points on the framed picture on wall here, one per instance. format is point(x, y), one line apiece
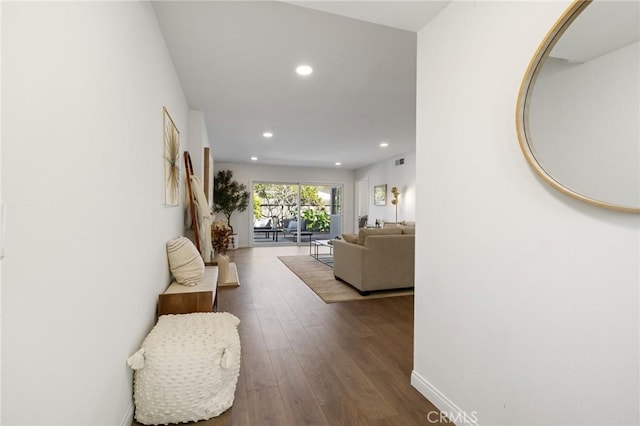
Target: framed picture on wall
point(171, 160)
point(380, 195)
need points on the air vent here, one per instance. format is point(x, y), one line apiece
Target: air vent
point(399, 161)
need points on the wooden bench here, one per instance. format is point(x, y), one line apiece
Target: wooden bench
point(181, 299)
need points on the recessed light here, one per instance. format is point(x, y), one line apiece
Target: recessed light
point(338, 164)
point(384, 145)
point(304, 70)
point(254, 158)
point(267, 134)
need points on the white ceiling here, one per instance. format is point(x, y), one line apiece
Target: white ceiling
point(603, 27)
point(236, 62)
point(405, 15)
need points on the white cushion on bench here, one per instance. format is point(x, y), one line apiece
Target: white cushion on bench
point(206, 283)
point(187, 368)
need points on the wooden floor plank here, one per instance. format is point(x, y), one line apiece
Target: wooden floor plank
point(321, 377)
point(297, 396)
point(346, 412)
point(258, 372)
point(251, 337)
point(272, 332)
point(414, 407)
point(239, 413)
point(354, 380)
point(266, 408)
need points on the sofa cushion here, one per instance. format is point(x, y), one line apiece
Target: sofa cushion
point(408, 229)
point(262, 223)
point(365, 232)
point(408, 223)
point(350, 238)
point(291, 225)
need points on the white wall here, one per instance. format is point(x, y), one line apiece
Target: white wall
point(362, 195)
point(82, 165)
point(249, 173)
point(584, 125)
point(2, 200)
point(403, 177)
point(526, 305)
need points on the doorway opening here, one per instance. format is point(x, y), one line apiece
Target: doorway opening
point(295, 213)
point(362, 197)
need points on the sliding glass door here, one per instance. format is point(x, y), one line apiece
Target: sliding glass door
point(295, 213)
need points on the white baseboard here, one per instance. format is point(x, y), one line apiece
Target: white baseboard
point(127, 419)
point(454, 413)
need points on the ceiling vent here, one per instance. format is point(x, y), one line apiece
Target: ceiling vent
point(399, 161)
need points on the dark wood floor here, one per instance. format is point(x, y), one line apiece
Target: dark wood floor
point(307, 362)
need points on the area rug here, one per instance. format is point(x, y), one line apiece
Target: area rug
point(319, 278)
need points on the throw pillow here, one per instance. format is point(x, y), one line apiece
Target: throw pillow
point(185, 262)
point(408, 229)
point(350, 238)
point(262, 223)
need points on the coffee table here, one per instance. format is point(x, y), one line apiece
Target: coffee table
point(302, 234)
point(318, 250)
point(275, 232)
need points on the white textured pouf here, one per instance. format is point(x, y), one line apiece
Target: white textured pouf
point(187, 368)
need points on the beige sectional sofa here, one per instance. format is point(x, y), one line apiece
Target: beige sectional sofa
point(377, 259)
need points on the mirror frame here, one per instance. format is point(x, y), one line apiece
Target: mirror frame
point(527, 85)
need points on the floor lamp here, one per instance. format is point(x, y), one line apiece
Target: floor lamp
point(395, 200)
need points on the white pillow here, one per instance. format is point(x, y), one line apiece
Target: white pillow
point(262, 223)
point(185, 262)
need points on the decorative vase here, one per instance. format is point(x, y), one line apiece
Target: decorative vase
point(223, 268)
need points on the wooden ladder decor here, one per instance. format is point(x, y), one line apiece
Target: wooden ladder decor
point(188, 167)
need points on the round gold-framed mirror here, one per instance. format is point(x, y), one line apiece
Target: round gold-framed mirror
point(577, 108)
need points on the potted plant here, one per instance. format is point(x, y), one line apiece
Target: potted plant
point(317, 220)
point(229, 196)
point(220, 239)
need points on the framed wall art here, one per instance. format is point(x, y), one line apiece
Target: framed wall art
point(171, 160)
point(380, 195)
